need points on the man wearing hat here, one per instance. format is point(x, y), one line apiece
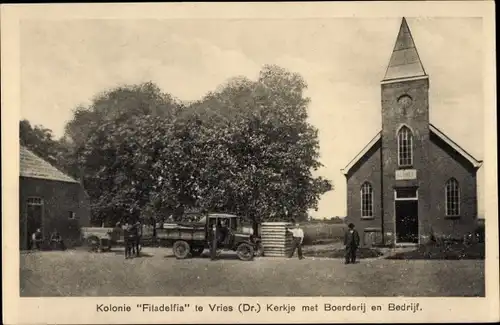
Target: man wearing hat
point(351, 242)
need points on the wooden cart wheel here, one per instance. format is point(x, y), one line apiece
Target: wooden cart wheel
point(181, 249)
point(93, 243)
point(245, 252)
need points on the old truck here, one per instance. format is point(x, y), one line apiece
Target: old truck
point(192, 238)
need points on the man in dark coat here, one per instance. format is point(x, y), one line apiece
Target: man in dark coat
point(223, 232)
point(56, 241)
point(129, 238)
point(136, 238)
point(213, 234)
point(351, 242)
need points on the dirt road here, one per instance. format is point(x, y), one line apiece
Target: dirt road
point(158, 273)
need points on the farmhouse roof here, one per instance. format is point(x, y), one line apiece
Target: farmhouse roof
point(435, 131)
point(405, 62)
point(32, 166)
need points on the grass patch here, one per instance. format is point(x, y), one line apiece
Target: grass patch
point(451, 251)
point(316, 233)
point(340, 253)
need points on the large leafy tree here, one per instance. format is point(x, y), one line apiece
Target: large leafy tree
point(109, 142)
point(41, 141)
point(245, 148)
point(268, 150)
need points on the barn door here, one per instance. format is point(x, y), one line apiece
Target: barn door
point(34, 217)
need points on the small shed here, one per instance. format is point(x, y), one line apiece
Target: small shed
point(48, 200)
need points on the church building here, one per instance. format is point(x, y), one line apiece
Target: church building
point(411, 182)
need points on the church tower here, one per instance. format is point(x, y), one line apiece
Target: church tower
point(405, 141)
point(411, 182)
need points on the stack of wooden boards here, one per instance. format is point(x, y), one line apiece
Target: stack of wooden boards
point(275, 239)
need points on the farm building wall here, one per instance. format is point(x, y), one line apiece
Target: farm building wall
point(65, 206)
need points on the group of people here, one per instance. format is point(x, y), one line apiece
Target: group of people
point(55, 240)
point(351, 242)
point(132, 234)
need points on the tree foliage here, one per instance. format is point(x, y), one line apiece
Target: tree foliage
point(244, 148)
point(40, 141)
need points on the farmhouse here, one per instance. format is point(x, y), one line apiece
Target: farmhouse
point(49, 199)
point(411, 181)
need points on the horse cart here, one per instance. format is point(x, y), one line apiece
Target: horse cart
point(100, 239)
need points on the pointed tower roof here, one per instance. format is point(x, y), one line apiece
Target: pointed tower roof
point(405, 62)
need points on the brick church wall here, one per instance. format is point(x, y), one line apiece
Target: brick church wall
point(447, 164)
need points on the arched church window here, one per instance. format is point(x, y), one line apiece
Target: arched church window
point(405, 147)
point(452, 197)
point(366, 200)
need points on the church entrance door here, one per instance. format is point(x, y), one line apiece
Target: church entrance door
point(406, 209)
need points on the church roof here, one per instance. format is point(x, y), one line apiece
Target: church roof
point(435, 131)
point(362, 153)
point(404, 65)
point(32, 166)
point(405, 61)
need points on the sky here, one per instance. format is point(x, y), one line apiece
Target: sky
point(65, 63)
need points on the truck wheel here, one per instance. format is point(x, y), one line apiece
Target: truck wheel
point(197, 251)
point(181, 249)
point(245, 252)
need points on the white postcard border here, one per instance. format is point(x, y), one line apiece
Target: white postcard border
point(83, 310)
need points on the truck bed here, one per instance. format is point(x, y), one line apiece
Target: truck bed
point(182, 231)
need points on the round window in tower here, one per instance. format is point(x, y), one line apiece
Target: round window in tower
point(404, 102)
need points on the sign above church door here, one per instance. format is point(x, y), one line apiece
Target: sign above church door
point(406, 174)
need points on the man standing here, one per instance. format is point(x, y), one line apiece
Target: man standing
point(223, 232)
point(351, 242)
point(56, 240)
point(213, 238)
point(37, 239)
point(128, 238)
point(298, 238)
point(138, 236)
